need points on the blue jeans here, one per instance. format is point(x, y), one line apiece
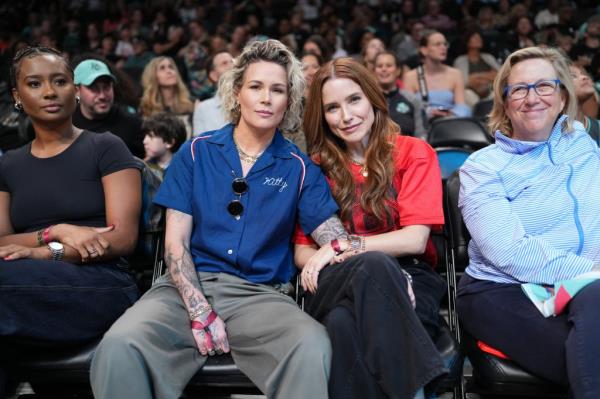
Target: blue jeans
point(563, 349)
point(380, 347)
point(59, 302)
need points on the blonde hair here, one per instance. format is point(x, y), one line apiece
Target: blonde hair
point(152, 101)
point(269, 51)
point(498, 118)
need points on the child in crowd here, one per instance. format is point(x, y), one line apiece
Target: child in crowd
point(163, 135)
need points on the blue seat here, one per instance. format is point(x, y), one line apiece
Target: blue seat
point(450, 159)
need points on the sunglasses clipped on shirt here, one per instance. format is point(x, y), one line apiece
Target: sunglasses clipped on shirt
point(235, 207)
point(542, 88)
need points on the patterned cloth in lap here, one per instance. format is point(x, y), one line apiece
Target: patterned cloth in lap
point(551, 300)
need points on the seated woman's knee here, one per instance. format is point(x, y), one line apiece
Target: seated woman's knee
point(587, 298)
point(312, 339)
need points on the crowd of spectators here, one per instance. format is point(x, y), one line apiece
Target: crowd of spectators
point(130, 34)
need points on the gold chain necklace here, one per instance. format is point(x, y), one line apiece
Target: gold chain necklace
point(245, 157)
point(363, 168)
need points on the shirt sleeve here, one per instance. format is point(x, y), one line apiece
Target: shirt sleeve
point(175, 192)
point(500, 237)
point(300, 238)
point(420, 196)
point(316, 204)
point(113, 154)
point(198, 120)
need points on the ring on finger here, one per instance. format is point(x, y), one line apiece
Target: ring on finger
point(219, 351)
point(211, 353)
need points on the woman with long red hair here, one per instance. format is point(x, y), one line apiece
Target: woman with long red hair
point(388, 188)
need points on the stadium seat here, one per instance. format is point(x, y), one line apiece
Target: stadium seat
point(454, 139)
point(494, 375)
point(458, 132)
point(481, 110)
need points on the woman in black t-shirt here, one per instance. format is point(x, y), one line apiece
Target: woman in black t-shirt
point(69, 209)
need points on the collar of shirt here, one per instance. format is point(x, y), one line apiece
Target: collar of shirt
point(279, 148)
point(522, 147)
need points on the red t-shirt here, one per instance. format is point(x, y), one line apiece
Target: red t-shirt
point(417, 189)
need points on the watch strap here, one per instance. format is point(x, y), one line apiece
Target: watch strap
point(57, 254)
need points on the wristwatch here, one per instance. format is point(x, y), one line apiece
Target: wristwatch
point(57, 250)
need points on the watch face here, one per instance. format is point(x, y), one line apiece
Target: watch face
point(55, 245)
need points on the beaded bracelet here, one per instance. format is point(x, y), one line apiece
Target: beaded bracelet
point(40, 238)
point(357, 243)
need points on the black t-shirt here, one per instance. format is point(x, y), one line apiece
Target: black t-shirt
point(402, 111)
point(118, 121)
point(65, 188)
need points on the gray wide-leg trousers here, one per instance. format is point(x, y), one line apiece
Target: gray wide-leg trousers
point(150, 352)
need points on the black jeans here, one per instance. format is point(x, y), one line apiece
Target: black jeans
point(58, 303)
point(61, 302)
point(564, 349)
point(380, 348)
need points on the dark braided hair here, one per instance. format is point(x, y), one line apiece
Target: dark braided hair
point(30, 52)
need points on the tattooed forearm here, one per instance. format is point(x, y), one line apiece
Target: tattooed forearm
point(180, 264)
point(328, 230)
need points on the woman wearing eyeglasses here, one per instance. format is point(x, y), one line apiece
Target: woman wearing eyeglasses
point(389, 191)
point(233, 197)
point(530, 202)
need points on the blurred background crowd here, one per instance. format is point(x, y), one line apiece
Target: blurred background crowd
point(131, 35)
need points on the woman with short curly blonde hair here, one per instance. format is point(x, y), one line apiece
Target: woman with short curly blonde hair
point(269, 51)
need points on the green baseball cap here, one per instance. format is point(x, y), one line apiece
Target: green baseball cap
point(89, 70)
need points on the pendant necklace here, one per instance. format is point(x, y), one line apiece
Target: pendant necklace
point(363, 168)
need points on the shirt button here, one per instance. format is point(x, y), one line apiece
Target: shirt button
point(230, 251)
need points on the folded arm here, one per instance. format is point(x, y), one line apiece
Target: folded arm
point(122, 196)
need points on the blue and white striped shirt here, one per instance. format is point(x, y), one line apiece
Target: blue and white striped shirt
point(533, 208)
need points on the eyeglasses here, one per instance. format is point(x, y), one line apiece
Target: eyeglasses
point(235, 207)
point(542, 88)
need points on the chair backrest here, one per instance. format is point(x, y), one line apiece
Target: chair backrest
point(458, 132)
point(481, 110)
point(450, 159)
point(458, 235)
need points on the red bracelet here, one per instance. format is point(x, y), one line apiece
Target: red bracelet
point(46, 234)
point(335, 244)
point(196, 325)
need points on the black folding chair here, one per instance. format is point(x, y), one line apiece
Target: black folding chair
point(481, 110)
point(63, 371)
point(494, 375)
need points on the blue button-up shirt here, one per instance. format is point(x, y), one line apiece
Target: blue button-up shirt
point(284, 186)
point(533, 208)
